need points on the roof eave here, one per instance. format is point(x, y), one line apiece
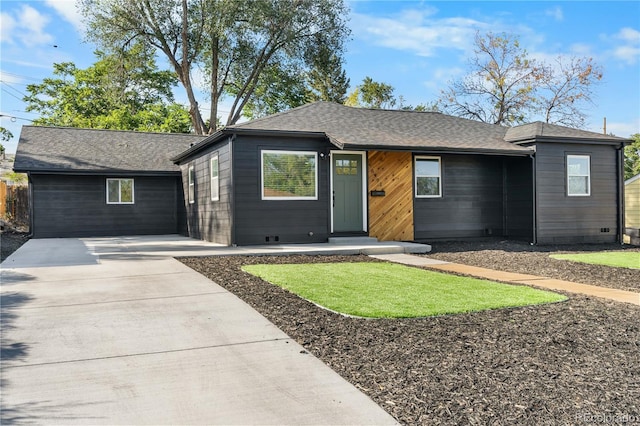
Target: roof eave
point(110, 172)
point(442, 150)
point(234, 131)
point(566, 139)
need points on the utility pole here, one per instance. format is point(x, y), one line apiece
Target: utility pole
point(605, 125)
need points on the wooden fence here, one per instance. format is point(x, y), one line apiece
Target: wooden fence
point(14, 204)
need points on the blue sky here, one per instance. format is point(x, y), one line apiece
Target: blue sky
point(416, 46)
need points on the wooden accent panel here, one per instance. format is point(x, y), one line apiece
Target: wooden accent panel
point(391, 216)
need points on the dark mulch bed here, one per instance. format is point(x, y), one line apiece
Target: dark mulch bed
point(551, 364)
point(514, 256)
point(11, 241)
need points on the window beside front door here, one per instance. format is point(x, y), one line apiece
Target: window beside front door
point(428, 177)
point(289, 175)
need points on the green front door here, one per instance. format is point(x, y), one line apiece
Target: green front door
point(347, 192)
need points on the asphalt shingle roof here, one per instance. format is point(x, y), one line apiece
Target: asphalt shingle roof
point(538, 129)
point(361, 127)
point(60, 149)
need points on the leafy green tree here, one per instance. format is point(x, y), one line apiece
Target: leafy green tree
point(327, 80)
point(123, 91)
point(235, 42)
point(632, 157)
point(5, 135)
point(279, 89)
point(372, 94)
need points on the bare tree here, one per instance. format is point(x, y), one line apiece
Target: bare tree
point(506, 87)
point(566, 89)
point(501, 85)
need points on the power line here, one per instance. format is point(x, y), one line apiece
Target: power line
point(20, 76)
point(12, 88)
point(11, 94)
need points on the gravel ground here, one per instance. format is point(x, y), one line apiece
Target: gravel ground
point(513, 256)
point(575, 362)
point(11, 241)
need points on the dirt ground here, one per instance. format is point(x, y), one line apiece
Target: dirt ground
point(514, 256)
point(11, 241)
point(562, 363)
point(575, 362)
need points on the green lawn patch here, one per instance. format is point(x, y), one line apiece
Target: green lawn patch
point(627, 259)
point(387, 290)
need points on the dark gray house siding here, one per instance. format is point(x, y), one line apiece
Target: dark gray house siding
point(75, 206)
point(518, 191)
point(209, 219)
point(471, 204)
point(565, 219)
point(260, 221)
point(482, 196)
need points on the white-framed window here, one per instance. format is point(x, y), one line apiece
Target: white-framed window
point(578, 175)
point(215, 177)
point(120, 191)
point(289, 175)
point(428, 172)
point(192, 184)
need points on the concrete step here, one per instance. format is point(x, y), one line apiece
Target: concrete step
point(352, 240)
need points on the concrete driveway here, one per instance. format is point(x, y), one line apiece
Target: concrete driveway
point(115, 331)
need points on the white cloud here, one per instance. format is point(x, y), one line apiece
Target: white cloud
point(630, 51)
point(27, 26)
point(69, 11)
point(417, 31)
point(10, 77)
point(32, 27)
point(626, 45)
point(555, 13)
point(7, 27)
point(630, 35)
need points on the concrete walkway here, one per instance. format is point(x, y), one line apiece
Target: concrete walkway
point(116, 331)
point(511, 277)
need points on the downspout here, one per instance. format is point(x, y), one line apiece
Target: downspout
point(620, 177)
point(535, 198)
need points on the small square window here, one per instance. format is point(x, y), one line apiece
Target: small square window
point(120, 191)
point(428, 177)
point(578, 175)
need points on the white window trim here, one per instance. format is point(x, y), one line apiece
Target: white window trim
point(275, 151)
point(588, 175)
point(191, 176)
point(133, 191)
point(216, 178)
point(415, 179)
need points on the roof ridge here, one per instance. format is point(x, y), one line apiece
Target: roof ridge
point(114, 130)
point(278, 114)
